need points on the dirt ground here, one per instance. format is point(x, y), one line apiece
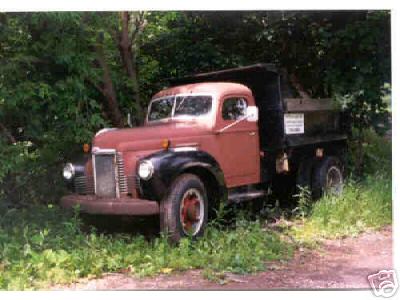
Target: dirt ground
point(338, 264)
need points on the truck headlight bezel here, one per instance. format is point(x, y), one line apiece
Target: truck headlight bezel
point(69, 171)
point(145, 169)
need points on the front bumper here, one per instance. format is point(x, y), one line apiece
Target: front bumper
point(92, 204)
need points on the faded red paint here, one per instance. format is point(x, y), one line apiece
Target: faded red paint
point(236, 149)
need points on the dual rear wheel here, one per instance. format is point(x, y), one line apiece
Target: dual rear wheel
point(324, 176)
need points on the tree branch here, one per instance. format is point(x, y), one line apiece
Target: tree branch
point(140, 24)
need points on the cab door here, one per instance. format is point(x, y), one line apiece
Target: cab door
point(238, 143)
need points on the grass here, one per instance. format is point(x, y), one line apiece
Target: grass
point(362, 206)
point(42, 246)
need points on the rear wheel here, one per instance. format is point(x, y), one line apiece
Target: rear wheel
point(184, 210)
point(328, 177)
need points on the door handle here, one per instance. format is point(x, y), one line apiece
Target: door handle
point(252, 133)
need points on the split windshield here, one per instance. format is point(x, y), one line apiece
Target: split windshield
point(177, 106)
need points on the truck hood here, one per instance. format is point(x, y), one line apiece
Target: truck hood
point(147, 137)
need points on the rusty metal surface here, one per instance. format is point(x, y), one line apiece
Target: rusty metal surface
point(111, 206)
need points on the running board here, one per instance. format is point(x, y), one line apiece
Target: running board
point(245, 196)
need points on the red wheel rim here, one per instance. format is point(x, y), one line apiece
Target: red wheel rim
point(191, 212)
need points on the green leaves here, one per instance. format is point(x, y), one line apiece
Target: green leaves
point(361, 67)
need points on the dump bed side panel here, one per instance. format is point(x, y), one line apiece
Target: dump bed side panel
point(308, 121)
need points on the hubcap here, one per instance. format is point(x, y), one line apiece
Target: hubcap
point(334, 181)
point(192, 212)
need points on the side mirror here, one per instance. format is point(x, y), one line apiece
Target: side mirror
point(252, 113)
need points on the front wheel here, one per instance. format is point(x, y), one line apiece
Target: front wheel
point(184, 209)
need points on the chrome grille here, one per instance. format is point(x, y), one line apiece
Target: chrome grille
point(131, 184)
point(122, 179)
point(105, 173)
point(137, 182)
point(84, 185)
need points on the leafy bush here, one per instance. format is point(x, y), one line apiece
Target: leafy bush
point(377, 154)
point(41, 246)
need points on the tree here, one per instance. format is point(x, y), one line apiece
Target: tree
point(132, 25)
point(359, 68)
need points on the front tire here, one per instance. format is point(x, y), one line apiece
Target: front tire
point(184, 210)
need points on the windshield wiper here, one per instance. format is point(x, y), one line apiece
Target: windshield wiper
point(180, 104)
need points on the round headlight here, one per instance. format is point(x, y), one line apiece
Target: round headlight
point(68, 171)
point(146, 169)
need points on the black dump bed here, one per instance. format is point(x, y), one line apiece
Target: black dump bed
point(284, 120)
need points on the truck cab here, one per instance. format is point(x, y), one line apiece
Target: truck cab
point(228, 136)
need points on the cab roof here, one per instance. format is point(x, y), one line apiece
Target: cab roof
point(216, 88)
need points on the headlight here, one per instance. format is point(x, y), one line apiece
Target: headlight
point(146, 169)
point(68, 171)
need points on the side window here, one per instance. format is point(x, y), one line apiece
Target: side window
point(234, 108)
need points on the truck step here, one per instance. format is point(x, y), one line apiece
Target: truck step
point(239, 197)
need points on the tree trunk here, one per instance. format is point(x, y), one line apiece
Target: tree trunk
point(128, 54)
point(108, 91)
point(359, 160)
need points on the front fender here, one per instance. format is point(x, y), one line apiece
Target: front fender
point(169, 164)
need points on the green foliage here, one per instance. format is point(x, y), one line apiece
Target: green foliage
point(360, 69)
point(363, 206)
point(305, 202)
point(41, 246)
point(45, 104)
point(378, 154)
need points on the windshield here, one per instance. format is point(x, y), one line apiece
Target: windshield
point(176, 106)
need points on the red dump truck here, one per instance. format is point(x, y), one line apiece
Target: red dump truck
point(231, 135)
